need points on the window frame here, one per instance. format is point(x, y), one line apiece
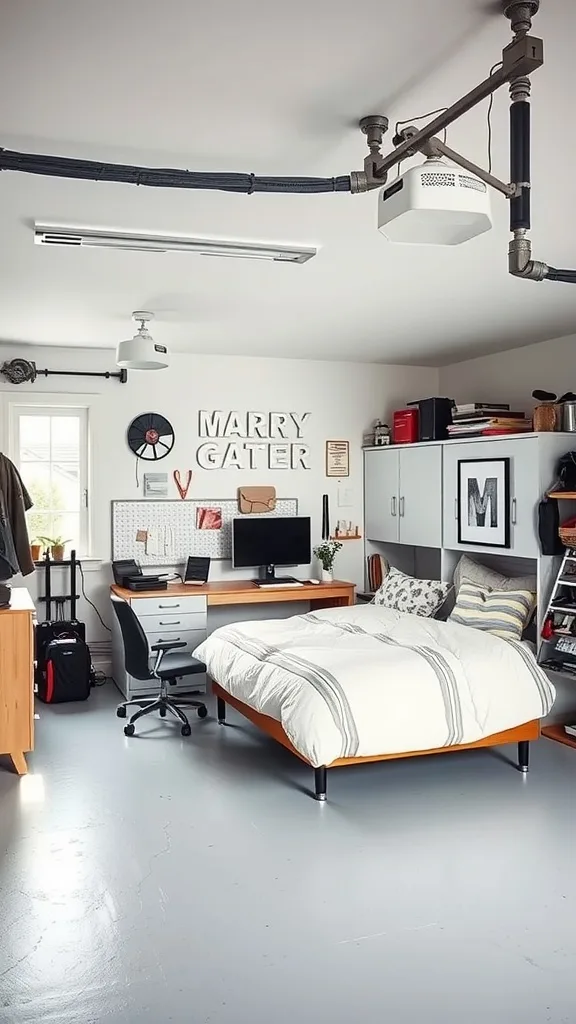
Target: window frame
point(59, 405)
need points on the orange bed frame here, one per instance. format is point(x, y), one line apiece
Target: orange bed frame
point(522, 735)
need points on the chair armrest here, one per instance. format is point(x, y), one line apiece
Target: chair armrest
point(168, 645)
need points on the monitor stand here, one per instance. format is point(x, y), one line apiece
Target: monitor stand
point(268, 578)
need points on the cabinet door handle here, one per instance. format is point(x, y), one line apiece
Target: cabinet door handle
point(162, 641)
point(514, 509)
point(455, 508)
point(393, 506)
point(176, 622)
point(401, 504)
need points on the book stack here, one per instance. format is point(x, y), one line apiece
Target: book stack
point(478, 419)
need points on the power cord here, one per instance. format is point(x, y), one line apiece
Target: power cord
point(422, 117)
point(87, 599)
point(489, 117)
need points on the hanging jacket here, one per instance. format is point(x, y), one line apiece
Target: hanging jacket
point(9, 564)
point(14, 503)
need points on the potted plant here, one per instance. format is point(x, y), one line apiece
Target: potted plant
point(56, 545)
point(35, 549)
point(326, 553)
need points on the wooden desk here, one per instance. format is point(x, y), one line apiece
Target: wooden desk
point(17, 678)
point(227, 592)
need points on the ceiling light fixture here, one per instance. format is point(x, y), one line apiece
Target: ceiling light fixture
point(86, 237)
point(141, 352)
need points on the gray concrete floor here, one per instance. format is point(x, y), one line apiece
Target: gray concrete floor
point(160, 879)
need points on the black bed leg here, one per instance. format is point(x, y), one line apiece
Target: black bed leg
point(221, 710)
point(523, 755)
point(320, 783)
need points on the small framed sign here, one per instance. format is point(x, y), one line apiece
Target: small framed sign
point(155, 485)
point(337, 458)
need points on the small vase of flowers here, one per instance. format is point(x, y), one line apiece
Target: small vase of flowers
point(326, 553)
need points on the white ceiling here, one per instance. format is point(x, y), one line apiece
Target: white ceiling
point(270, 88)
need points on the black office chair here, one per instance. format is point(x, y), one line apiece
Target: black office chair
point(168, 668)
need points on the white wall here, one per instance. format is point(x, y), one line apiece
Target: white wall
point(512, 376)
point(343, 399)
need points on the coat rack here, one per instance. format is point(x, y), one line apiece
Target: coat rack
point(24, 371)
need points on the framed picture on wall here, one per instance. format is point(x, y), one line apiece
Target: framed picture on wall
point(337, 458)
point(484, 502)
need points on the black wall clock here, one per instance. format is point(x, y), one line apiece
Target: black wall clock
point(150, 436)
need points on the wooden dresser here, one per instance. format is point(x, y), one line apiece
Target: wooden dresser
point(17, 678)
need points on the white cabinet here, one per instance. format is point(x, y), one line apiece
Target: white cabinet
point(523, 453)
point(381, 477)
point(420, 496)
point(403, 495)
point(162, 618)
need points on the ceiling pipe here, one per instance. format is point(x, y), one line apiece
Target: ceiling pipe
point(524, 55)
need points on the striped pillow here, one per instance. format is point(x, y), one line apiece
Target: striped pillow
point(504, 613)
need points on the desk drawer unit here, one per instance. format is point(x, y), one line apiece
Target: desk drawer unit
point(191, 637)
point(163, 618)
point(172, 621)
point(144, 606)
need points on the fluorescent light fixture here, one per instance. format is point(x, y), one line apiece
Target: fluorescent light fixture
point(53, 235)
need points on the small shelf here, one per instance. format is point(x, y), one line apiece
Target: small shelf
point(355, 537)
point(562, 609)
point(556, 732)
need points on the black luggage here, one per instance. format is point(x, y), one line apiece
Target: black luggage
point(59, 629)
point(67, 672)
point(63, 664)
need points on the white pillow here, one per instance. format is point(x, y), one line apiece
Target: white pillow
point(407, 594)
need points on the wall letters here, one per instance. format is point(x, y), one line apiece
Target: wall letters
point(278, 445)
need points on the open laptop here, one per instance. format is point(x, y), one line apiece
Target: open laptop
point(197, 570)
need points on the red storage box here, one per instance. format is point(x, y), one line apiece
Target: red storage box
point(405, 426)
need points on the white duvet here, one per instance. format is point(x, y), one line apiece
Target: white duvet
point(351, 682)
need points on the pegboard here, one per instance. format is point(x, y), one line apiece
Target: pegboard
point(173, 523)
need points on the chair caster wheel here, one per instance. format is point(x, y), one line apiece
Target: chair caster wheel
point(202, 712)
point(129, 729)
point(186, 730)
point(162, 712)
point(120, 712)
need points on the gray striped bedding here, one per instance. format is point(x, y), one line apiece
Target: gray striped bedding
point(354, 682)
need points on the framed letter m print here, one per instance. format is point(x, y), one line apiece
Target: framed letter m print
point(484, 502)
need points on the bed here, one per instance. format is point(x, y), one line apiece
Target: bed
point(365, 683)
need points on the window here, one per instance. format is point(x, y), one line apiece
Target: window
point(51, 451)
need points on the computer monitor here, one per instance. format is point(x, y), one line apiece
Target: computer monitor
point(268, 541)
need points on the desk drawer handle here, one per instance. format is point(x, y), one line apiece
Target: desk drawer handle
point(168, 605)
point(176, 622)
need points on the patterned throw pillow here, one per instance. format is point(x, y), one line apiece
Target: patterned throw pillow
point(407, 594)
point(505, 613)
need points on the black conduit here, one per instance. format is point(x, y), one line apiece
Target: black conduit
point(520, 163)
point(158, 177)
point(566, 276)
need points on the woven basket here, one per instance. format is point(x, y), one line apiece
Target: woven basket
point(545, 418)
point(567, 535)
